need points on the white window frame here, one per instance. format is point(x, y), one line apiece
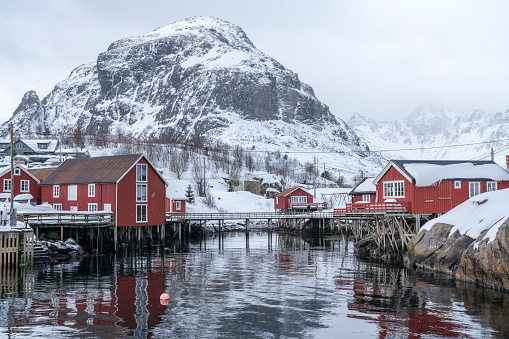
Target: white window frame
point(299, 199)
point(139, 172)
point(394, 189)
point(366, 198)
point(17, 171)
point(474, 188)
point(91, 190)
point(56, 191)
point(27, 182)
point(92, 207)
point(7, 185)
point(139, 219)
point(139, 198)
point(70, 190)
point(457, 184)
point(178, 205)
point(491, 186)
point(57, 207)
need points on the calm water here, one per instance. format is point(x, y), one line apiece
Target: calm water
point(271, 287)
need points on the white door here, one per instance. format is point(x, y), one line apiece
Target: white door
point(107, 207)
point(74, 208)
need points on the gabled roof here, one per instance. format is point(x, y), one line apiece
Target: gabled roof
point(41, 173)
point(428, 172)
point(366, 186)
point(109, 169)
point(289, 191)
point(8, 169)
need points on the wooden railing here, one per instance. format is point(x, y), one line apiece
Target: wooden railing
point(315, 205)
point(246, 216)
point(68, 218)
point(370, 208)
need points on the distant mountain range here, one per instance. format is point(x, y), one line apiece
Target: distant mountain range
point(204, 77)
point(423, 133)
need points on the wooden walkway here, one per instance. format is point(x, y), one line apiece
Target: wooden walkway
point(182, 217)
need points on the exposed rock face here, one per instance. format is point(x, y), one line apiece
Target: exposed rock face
point(29, 113)
point(200, 76)
point(474, 260)
point(488, 264)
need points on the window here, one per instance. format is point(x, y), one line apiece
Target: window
point(491, 186)
point(72, 192)
point(25, 186)
point(141, 192)
point(141, 213)
point(19, 146)
point(17, 171)
point(91, 190)
point(299, 200)
point(56, 191)
point(7, 185)
point(394, 189)
point(42, 145)
point(457, 184)
point(474, 188)
point(141, 172)
point(178, 205)
point(92, 207)
point(58, 207)
point(366, 198)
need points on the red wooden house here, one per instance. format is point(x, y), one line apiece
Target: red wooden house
point(127, 185)
point(25, 182)
point(296, 199)
point(431, 187)
point(175, 205)
point(364, 191)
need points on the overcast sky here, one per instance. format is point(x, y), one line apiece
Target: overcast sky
point(379, 58)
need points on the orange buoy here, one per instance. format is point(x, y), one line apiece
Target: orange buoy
point(164, 298)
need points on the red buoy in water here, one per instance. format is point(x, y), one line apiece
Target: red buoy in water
point(164, 298)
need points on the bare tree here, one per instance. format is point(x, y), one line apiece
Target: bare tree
point(199, 177)
point(179, 162)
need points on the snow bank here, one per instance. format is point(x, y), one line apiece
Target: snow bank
point(429, 174)
point(486, 211)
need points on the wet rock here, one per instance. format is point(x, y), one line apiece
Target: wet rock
point(486, 263)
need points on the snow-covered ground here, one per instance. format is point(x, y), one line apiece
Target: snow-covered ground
point(487, 211)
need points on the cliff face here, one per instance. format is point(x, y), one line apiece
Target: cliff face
point(200, 76)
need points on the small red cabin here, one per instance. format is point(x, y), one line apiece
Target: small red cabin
point(364, 192)
point(127, 185)
point(296, 199)
point(429, 187)
point(175, 205)
point(25, 182)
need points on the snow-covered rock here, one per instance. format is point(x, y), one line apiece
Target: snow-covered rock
point(470, 241)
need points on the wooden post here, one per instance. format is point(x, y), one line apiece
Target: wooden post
point(247, 225)
point(37, 232)
point(115, 238)
point(417, 223)
point(180, 231)
point(61, 233)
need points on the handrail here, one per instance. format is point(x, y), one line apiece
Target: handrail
point(246, 215)
point(367, 208)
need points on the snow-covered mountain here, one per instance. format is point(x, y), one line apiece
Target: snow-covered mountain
point(423, 132)
point(200, 76)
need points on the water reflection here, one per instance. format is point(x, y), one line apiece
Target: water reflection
point(233, 286)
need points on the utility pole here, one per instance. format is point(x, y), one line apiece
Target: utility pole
point(492, 155)
point(324, 174)
point(12, 216)
point(203, 176)
point(339, 179)
point(314, 177)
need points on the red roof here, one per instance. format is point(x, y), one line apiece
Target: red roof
point(288, 191)
point(92, 170)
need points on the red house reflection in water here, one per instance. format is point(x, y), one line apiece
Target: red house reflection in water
point(133, 305)
point(371, 302)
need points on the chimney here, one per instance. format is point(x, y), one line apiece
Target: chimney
point(507, 161)
point(13, 139)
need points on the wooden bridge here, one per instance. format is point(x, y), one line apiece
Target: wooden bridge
point(391, 225)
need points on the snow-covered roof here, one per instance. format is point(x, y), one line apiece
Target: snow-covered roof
point(366, 186)
point(487, 211)
point(25, 196)
point(35, 145)
point(427, 173)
